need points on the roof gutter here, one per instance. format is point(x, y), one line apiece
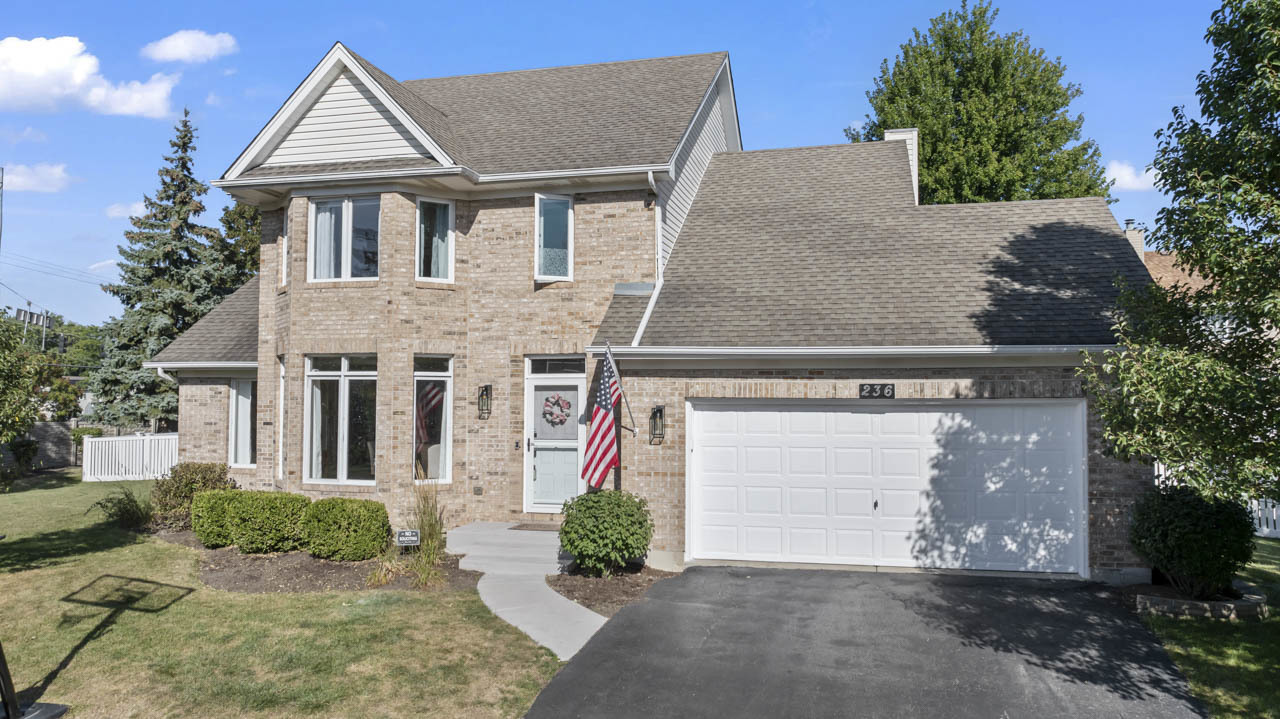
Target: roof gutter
point(164, 368)
point(944, 351)
point(341, 176)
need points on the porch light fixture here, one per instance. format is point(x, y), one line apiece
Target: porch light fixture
point(485, 400)
point(657, 422)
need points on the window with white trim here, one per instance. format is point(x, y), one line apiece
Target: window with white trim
point(341, 415)
point(432, 418)
point(344, 238)
point(435, 240)
point(284, 250)
point(242, 432)
point(553, 259)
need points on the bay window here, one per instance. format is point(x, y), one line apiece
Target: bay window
point(435, 240)
point(432, 418)
point(344, 238)
point(553, 259)
point(341, 433)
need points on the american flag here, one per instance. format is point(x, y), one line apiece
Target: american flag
point(602, 445)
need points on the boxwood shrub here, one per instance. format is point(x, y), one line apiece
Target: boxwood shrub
point(209, 517)
point(605, 530)
point(346, 529)
point(173, 492)
point(263, 522)
point(1198, 543)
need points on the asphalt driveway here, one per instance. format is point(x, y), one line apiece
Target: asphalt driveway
point(733, 642)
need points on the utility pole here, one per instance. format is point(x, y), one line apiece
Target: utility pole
point(26, 321)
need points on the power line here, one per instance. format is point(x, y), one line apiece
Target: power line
point(52, 265)
point(53, 273)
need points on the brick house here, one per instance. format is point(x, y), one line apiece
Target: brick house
point(821, 370)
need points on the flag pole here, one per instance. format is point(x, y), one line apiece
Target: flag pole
point(609, 355)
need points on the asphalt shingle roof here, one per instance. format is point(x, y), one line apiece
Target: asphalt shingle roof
point(621, 320)
point(582, 116)
point(229, 333)
point(823, 246)
point(325, 168)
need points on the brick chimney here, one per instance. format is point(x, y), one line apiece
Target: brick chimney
point(911, 136)
point(1136, 236)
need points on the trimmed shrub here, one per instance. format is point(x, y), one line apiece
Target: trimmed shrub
point(24, 451)
point(605, 530)
point(1198, 543)
point(262, 522)
point(345, 529)
point(172, 493)
point(209, 517)
point(124, 509)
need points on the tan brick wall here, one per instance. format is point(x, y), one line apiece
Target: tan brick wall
point(488, 320)
point(657, 471)
point(203, 423)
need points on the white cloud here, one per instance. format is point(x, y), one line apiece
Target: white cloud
point(229, 72)
point(26, 134)
point(44, 74)
point(1127, 177)
point(190, 46)
point(36, 178)
point(120, 209)
point(213, 99)
point(103, 265)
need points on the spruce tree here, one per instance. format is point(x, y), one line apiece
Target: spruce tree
point(240, 240)
point(170, 276)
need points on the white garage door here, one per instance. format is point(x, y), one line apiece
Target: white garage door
point(976, 485)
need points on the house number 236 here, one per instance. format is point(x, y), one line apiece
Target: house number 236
point(875, 391)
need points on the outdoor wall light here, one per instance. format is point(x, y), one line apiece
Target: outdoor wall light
point(485, 400)
point(657, 422)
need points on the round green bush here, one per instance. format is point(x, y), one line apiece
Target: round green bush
point(173, 492)
point(263, 522)
point(605, 530)
point(346, 529)
point(1198, 543)
point(209, 517)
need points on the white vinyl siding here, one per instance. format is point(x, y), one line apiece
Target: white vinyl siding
point(711, 132)
point(346, 123)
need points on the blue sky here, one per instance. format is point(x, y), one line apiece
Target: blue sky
point(88, 118)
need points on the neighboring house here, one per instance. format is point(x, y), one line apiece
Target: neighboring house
point(1162, 269)
point(837, 375)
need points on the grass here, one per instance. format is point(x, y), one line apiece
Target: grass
point(116, 624)
point(1232, 667)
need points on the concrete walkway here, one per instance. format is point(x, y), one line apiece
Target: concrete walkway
point(514, 585)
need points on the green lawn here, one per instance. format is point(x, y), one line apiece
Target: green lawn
point(1233, 667)
point(119, 625)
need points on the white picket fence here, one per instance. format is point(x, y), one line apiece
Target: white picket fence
point(1266, 513)
point(138, 456)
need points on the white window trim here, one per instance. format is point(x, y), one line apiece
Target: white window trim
point(446, 453)
point(345, 249)
point(421, 242)
point(232, 427)
point(343, 376)
point(538, 197)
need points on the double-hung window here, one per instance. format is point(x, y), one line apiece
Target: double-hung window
point(435, 240)
point(432, 418)
point(344, 238)
point(553, 261)
point(242, 433)
point(341, 414)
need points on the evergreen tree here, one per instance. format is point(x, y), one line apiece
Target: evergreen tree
point(992, 113)
point(1197, 383)
point(241, 236)
point(170, 276)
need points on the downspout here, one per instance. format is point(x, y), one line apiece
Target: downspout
point(165, 375)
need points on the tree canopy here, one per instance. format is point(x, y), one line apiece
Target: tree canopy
point(1196, 384)
point(992, 111)
point(19, 404)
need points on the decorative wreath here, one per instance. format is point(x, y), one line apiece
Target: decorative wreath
point(555, 410)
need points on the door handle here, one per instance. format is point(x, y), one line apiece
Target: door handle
point(875, 504)
point(528, 444)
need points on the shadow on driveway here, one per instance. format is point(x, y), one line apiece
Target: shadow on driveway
point(717, 642)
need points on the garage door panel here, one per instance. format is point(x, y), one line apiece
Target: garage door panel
point(983, 486)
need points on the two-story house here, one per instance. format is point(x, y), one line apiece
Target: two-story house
point(822, 370)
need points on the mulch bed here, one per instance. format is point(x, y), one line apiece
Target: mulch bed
point(290, 572)
point(606, 595)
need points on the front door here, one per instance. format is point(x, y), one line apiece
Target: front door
point(555, 424)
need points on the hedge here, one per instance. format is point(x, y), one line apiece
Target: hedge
point(173, 492)
point(346, 529)
point(1199, 543)
point(605, 530)
point(263, 522)
point(209, 517)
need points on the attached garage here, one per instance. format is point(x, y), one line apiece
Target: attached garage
point(993, 485)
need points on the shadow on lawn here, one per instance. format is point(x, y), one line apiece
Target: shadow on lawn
point(51, 548)
point(117, 595)
point(1075, 630)
point(46, 479)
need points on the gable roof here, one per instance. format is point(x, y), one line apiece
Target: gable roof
point(824, 247)
point(582, 117)
point(229, 333)
point(1166, 274)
